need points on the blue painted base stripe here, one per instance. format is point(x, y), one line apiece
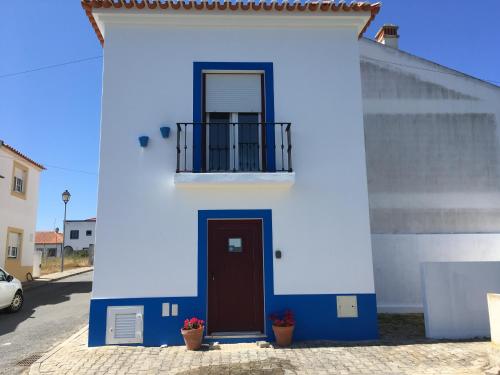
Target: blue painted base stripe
point(316, 317)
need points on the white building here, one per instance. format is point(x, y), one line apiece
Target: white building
point(432, 146)
point(19, 181)
point(49, 243)
point(213, 221)
point(79, 234)
point(431, 169)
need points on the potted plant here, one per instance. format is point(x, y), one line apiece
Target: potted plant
point(192, 332)
point(283, 327)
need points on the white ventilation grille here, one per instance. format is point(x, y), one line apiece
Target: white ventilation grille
point(233, 93)
point(124, 325)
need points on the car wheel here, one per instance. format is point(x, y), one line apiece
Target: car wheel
point(17, 302)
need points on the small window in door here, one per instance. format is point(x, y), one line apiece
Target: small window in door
point(235, 245)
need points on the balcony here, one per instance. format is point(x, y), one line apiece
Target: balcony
point(234, 153)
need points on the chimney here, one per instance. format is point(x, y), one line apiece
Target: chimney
point(388, 35)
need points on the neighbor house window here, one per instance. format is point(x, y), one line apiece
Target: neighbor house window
point(88, 233)
point(74, 234)
point(51, 252)
point(14, 238)
point(19, 180)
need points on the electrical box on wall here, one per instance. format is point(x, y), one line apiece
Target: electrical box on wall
point(165, 309)
point(347, 307)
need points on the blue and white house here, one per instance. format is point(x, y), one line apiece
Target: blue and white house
point(232, 147)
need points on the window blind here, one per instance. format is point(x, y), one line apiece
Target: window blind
point(233, 93)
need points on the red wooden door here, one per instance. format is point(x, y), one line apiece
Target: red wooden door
point(235, 281)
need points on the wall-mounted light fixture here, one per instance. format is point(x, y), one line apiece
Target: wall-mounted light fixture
point(165, 131)
point(143, 140)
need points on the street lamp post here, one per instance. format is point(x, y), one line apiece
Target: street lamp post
point(65, 198)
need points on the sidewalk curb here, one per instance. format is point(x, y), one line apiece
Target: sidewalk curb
point(35, 367)
point(45, 282)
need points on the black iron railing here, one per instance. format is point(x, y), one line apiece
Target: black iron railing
point(234, 147)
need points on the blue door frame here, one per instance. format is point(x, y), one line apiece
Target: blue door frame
point(198, 69)
point(267, 241)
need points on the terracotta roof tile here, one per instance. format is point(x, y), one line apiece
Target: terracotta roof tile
point(312, 6)
point(49, 237)
point(20, 154)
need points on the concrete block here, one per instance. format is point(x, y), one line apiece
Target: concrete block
point(494, 314)
point(455, 298)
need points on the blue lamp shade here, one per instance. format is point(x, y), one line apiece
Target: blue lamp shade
point(143, 140)
point(165, 131)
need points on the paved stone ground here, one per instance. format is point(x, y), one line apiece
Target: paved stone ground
point(401, 350)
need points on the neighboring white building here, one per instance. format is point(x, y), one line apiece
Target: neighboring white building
point(79, 234)
point(433, 151)
point(19, 181)
point(49, 243)
point(214, 222)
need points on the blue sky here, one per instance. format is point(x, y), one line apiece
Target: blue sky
point(53, 115)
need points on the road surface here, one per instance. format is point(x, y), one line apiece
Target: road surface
point(50, 314)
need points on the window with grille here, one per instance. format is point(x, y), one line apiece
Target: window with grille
point(14, 243)
point(19, 178)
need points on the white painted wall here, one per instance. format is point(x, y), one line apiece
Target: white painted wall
point(16, 212)
point(397, 259)
point(433, 168)
point(455, 298)
point(148, 226)
point(83, 241)
point(432, 145)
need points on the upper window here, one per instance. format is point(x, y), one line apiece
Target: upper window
point(14, 238)
point(234, 113)
point(88, 233)
point(19, 180)
point(74, 234)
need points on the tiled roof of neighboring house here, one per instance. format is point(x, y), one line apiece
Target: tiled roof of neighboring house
point(48, 237)
point(20, 154)
point(312, 6)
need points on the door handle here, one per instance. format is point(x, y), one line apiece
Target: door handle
point(213, 277)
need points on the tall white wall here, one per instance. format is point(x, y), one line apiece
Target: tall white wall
point(432, 145)
point(148, 225)
point(433, 152)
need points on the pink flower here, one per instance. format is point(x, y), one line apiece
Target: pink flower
point(286, 321)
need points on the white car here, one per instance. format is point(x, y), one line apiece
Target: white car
point(11, 292)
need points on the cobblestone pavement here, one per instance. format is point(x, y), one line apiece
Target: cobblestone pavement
point(401, 350)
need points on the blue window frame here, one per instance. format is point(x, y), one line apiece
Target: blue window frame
point(198, 69)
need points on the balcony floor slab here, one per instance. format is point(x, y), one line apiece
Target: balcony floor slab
point(217, 179)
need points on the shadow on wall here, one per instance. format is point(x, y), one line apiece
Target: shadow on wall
point(51, 294)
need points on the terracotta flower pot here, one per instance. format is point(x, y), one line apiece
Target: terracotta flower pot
point(193, 338)
point(283, 335)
